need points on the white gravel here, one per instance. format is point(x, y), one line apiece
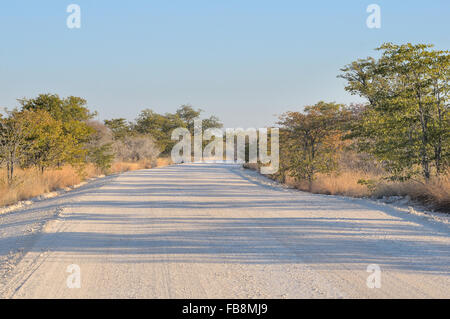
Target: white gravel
point(217, 231)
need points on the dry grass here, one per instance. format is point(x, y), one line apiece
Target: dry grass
point(345, 183)
point(163, 161)
point(435, 193)
point(30, 183)
point(121, 167)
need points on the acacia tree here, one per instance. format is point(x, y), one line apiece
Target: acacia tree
point(406, 122)
point(310, 141)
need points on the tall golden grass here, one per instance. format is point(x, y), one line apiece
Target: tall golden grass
point(163, 161)
point(344, 183)
point(434, 193)
point(121, 167)
point(29, 183)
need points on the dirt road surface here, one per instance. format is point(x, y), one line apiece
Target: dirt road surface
point(217, 231)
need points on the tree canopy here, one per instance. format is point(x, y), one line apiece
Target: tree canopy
point(406, 122)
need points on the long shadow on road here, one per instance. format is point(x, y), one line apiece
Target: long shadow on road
point(216, 238)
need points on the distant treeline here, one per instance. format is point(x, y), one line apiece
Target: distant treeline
point(49, 131)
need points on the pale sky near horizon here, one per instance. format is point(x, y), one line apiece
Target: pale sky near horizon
point(242, 60)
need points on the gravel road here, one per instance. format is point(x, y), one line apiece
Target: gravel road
point(217, 231)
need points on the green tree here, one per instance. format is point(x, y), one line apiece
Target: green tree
point(46, 140)
point(406, 121)
point(73, 115)
point(310, 141)
point(13, 141)
point(159, 127)
point(187, 114)
point(119, 127)
point(211, 122)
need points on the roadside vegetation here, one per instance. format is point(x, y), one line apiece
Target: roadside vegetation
point(396, 144)
point(51, 143)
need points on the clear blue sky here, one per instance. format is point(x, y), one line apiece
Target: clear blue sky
point(242, 60)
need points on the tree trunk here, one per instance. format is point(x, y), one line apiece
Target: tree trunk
point(8, 173)
point(438, 147)
point(423, 149)
point(438, 154)
point(310, 182)
point(10, 169)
